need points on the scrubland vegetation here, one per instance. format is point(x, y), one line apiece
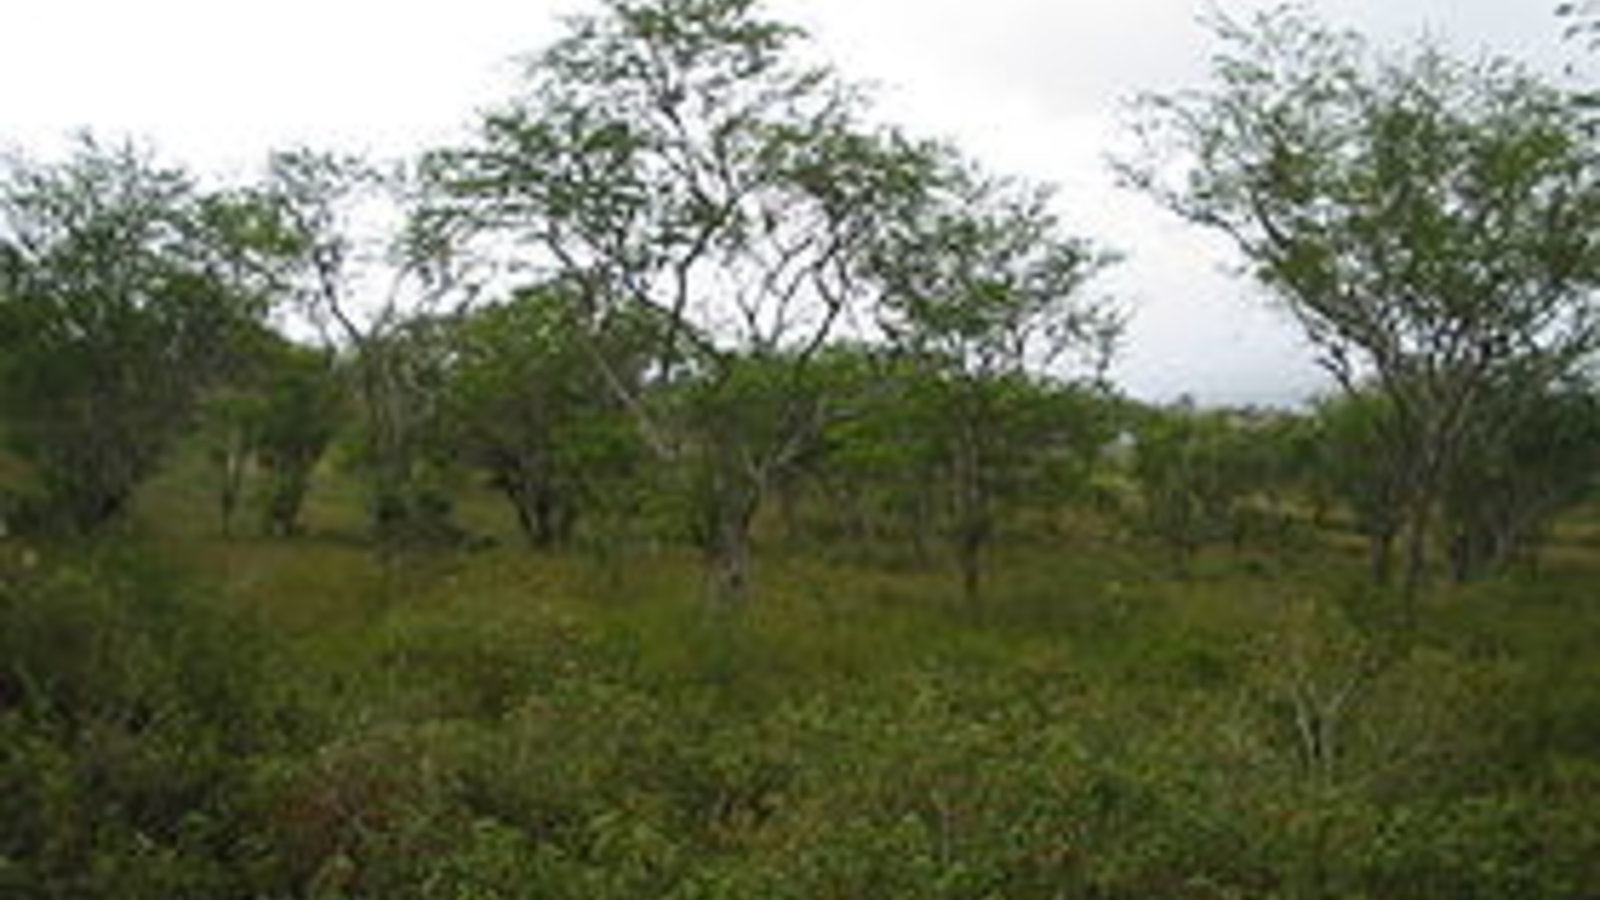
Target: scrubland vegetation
point(723, 496)
point(188, 716)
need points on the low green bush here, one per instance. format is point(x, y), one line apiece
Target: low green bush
point(496, 733)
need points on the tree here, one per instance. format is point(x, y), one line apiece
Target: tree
point(229, 419)
point(1357, 463)
point(269, 417)
point(983, 292)
point(1429, 223)
point(402, 377)
point(1189, 467)
point(528, 406)
point(124, 288)
point(1521, 475)
point(300, 407)
point(672, 156)
point(349, 234)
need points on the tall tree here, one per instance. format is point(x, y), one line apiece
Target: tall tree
point(366, 270)
point(985, 293)
point(1429, 223)
point(673, 156)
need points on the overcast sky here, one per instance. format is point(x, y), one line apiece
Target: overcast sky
point(1031, 87)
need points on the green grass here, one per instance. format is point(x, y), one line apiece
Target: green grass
point(309, 718)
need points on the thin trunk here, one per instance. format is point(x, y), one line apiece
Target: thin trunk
point(548, 515)
point(288, 498)
point(524, 519)
point(971, 559)
point(1416, 573)
point(1467, 555)
point(1381, 556)
point(735, 499)
point(922, 517)
point(972, 511)
point(731, 557)
point(232, 486)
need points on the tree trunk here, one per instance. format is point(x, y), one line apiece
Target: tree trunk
point(547, 515)
point(970, 554)
point(973, 519)
point(232, 486)
point(731, 569)
point(922, 517)
point(730, 552)
point(289, 486)
point(1380, 550)
point(1416, 573)
point(735, 498)
point(525, 522)
point(1466, 555)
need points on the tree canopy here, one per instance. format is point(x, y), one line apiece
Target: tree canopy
point(678, 157)
point(1430, 223)
point(123, 288)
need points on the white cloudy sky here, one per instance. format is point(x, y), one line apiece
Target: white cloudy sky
point(1031, 86)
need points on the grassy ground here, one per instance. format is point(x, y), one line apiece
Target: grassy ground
point(306, 718)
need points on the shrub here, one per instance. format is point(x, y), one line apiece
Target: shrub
point(132, 713)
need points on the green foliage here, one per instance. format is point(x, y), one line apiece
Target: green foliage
point(273, 419)
point(495, 728)
point(1352, 461)
point(529, 403)
point(300, 412)
point(1513, 479)
point(132, 714)
point(121, 300)
point(1224, 475)
point(933, 454)
point(402, 439)
point(228, 419)
point(1427, 221)
point(301, 720)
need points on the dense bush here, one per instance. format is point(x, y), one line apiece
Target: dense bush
point(472, 741)
point(133, 714)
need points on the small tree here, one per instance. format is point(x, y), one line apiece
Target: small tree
point(1188, 466)
point(350, 233)
point(983, 290)
point(1356, 464)
point(122, 295)
point(1429, 223)
point(1520, 477)
point(229, 419)
point(528, 406)
point(270, 418)
point(876, 471)
point(300, 408)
